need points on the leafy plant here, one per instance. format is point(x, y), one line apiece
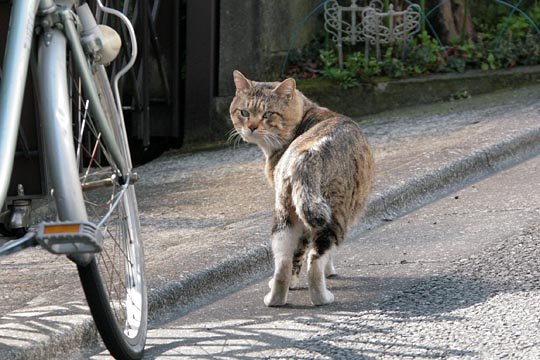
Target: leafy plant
point(355, 62)
point(373, 68)
point(456, 63)
point(364, 69)
point(460, 95)
point(529, 51)
point(506, 53)
point(424, 54)
point(392, 66)
point(517, 26)
point(346, 77)
point(490, 63)
point(328, 57)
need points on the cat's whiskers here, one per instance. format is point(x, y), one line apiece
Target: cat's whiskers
point(231, 134)
point(269, 141)
point(273, 140)
point(234, 137)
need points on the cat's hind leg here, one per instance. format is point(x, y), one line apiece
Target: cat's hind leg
point(318, 260)
point(298, 261)
point(329, 269)
point(285, 240)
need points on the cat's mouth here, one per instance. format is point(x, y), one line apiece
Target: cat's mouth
point(252, 136)
point(267, 140)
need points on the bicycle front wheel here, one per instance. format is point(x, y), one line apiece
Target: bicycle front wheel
point(114, 282)
point(90, 184)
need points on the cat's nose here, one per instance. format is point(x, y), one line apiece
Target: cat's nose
point(252, 127)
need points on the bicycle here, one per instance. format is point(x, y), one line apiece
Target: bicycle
point(86, 157)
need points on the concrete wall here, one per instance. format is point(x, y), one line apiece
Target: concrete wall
point(254, 36)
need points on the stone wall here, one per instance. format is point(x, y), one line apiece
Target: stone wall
point(254, 36)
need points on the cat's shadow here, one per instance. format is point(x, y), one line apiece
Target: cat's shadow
point(297, 306)
point(334, 282)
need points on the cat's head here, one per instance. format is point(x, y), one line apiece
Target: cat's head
point(266, 113)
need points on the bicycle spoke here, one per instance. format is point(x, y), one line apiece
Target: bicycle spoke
point(81, 132)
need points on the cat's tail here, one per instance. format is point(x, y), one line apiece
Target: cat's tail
point(310, 206)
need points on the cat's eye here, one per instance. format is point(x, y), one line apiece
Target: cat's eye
point(244, 113)
point(267, 115)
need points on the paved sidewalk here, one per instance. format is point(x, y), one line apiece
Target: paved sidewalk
point(206, 217)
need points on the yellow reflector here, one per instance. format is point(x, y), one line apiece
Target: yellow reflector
point(61, 229)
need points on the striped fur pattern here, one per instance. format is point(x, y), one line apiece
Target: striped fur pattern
point(321, 168)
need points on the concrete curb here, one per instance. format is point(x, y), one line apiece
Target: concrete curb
point(205, 286)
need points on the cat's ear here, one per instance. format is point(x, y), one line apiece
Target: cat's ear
point(286, 87)
point(241, 82)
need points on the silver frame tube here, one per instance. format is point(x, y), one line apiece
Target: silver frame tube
point(18, 49)
point(91, 91)
point(57, 127)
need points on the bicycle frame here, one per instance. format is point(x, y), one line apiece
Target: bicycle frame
point(55, 112)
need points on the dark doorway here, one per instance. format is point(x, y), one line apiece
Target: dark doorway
point(153, 91)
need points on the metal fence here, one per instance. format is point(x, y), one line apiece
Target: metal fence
point(352, 21)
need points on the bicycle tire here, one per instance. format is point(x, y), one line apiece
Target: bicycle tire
point(113, 283)
point(122, 330)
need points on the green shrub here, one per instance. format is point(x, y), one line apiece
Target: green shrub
point(456, 63)
point(424, 54)
point(502, 42)
point(517, 26)
point(345, 77)
point(392, 66)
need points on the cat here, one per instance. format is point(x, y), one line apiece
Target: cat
point(321, 168)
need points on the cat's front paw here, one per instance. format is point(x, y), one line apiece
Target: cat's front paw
point(324, 297)
point(272, 299)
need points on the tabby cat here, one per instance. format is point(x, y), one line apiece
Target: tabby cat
point(321, 168)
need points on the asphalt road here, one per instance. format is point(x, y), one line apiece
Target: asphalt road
point(457, 279)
